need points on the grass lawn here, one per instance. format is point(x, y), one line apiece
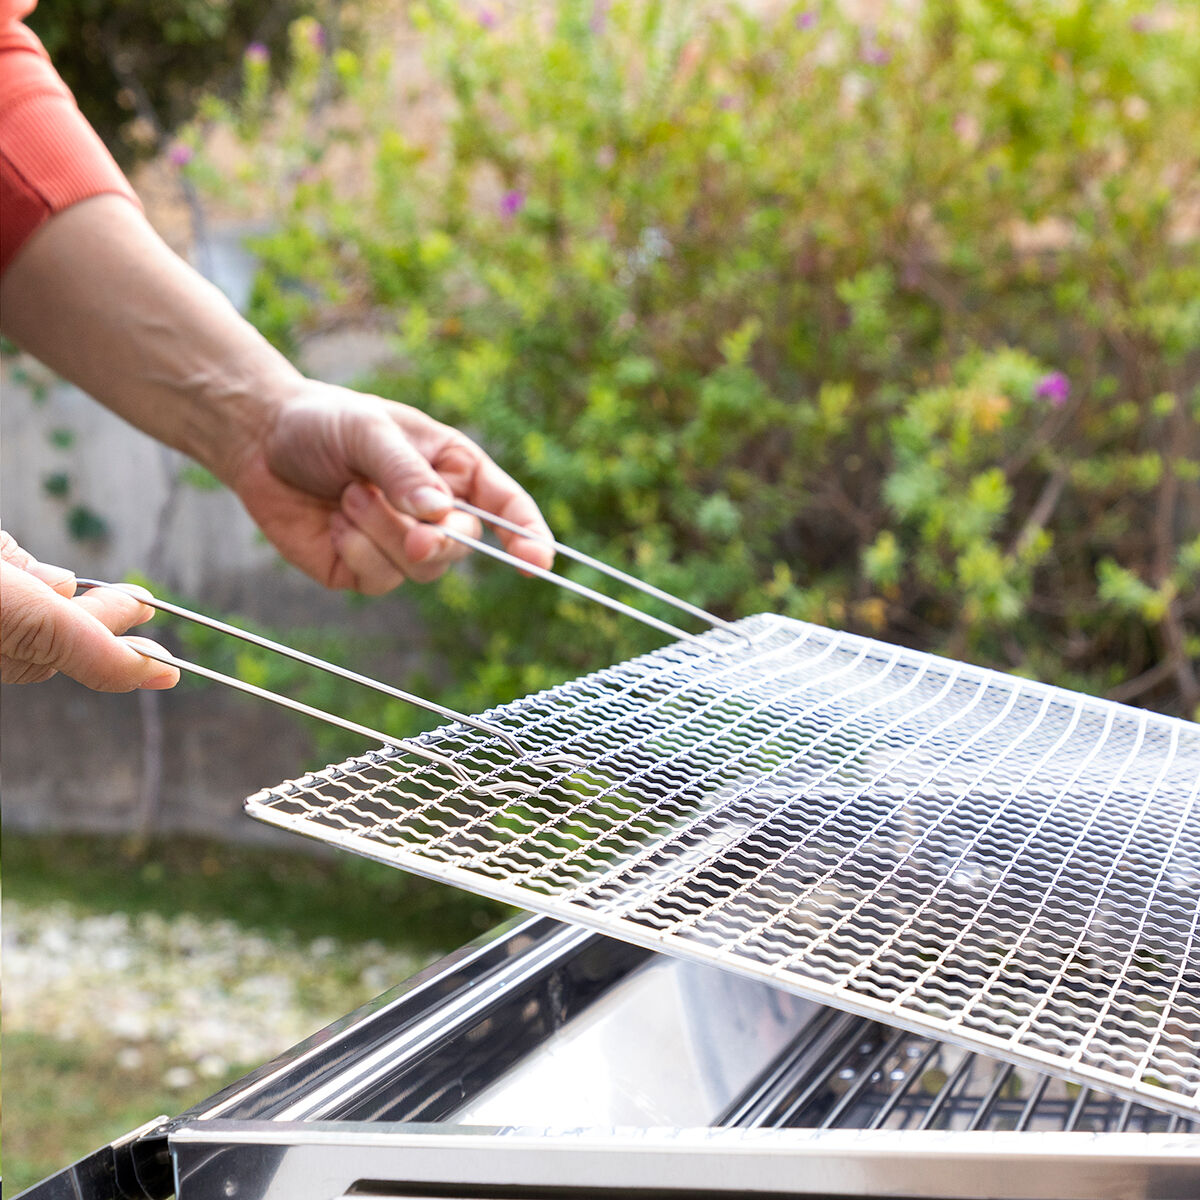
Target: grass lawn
point(343, 896)
point(65, 1098)
point(73, 1099)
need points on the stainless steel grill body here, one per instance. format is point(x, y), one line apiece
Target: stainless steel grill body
point(555, 1062)
point(1007, 866)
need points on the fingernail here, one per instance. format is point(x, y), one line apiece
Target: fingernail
point(426, 501)
point(164, 679)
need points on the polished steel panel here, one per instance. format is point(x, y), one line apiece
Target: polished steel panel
point(269, 1161)
point(672, 1044)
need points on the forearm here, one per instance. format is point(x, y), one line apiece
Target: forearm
point(97, 296)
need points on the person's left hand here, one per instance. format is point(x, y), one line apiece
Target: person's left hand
point(338, 480)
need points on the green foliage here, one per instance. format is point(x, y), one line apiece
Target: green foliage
point(57, 484)
point(84, 524)
point(272, 891)
point(882, 328)
point(125, 59)
point(195, 476)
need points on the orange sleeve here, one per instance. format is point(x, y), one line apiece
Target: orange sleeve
point(50, 157)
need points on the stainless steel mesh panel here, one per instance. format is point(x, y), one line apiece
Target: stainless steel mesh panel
point(1001, 864)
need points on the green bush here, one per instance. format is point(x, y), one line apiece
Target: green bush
point(155, 59)
point(896, 329)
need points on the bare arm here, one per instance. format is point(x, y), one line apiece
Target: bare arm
point(98, 296)
point(335, 478)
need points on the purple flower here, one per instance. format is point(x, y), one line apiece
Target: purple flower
point(806, 20)
point(1055, 387)
point(725, 103)
point(180, 154)
point(256, 52)
point(487, 19)
point(875, 56)
point(599, 17)
point(316, 35)
point(511, 203)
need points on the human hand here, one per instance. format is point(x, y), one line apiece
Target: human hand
point(338, 480)
point(45, 628)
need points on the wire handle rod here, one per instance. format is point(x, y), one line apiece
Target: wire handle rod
point(165, 656)
point(312, 661)
point(562, 581)
point(266, 643)
point(588, 561)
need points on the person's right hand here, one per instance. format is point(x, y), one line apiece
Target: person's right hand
point(45, 628)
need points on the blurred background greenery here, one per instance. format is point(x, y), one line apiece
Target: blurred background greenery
point(881, 315)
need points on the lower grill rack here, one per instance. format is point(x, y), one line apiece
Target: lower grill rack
point(845, 1072)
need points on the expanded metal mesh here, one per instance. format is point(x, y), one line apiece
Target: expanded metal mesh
point(1002, 864)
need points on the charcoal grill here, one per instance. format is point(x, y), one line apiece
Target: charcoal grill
point(929, 930)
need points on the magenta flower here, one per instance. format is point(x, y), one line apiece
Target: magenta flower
point(487, 19)
point(180, 154)
point(511, 203)
point(316, 36)
point(256, 52)
point(1055, 387)
point(806, 20)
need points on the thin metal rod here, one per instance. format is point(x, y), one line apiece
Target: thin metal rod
point(984, 1110)
point(603, 567)
point(866, 1079)
point(564, 582)
point(1077, 1109)
point(309, 660)
point(915, 1072)
point(947, 1089)
point(165, 656)
point(1031, 1105)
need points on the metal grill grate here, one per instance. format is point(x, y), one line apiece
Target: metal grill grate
point(1004, 865)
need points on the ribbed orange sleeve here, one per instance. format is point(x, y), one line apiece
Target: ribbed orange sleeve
point(50, 157)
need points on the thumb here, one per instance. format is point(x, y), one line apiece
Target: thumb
point(42, 632)
point(381, 452)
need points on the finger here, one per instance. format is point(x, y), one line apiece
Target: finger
point(168, 675)
point(115, 608)
point(417, 548)
point(497, 492)
point(10, 552)
point(58, 579)
point(373, 572)
point(378, 450)
point(43, 632)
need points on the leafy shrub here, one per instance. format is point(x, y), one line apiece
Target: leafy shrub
point(154, 59)
point(895, 329)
